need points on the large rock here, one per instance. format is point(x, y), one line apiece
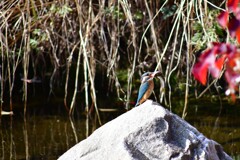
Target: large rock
point(146, 132)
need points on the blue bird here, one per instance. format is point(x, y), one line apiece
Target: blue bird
point(147, 86)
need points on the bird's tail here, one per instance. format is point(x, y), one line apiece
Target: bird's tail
point(137, 104)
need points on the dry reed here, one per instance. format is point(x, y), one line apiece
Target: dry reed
point(147, 35)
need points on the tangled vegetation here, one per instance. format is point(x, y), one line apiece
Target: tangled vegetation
point(118, 40)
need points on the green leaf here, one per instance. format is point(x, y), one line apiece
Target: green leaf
point(168, 11)
point(33, 43)
point(64, 10)
point(197, 37)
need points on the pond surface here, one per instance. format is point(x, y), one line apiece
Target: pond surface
point(218, 122)
point(47, 134)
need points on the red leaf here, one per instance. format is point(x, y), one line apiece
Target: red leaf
point(213, 60)
point(208, 56)
point(231, 49)
point(233, 63)
point(216, 67)
point(238, 34)
point(233, 25)
point(232, 5)
point(200, 72)
point(220, 61)
point(200, 69)
point(233, 81)
point(223, 48)
point(237, 14)
point(223, 19)
point(232, 74)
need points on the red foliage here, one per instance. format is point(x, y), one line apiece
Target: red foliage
point(220, 54)
point(233, 25)
point(223, 19)
point(213, 60)
point(232, 5)
point(232, 73)
point(234, 28)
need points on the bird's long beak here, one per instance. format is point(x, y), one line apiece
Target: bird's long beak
point(156, 73)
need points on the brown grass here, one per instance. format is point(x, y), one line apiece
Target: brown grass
point(146, 35)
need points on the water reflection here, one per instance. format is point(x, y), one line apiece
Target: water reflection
point(220, 123)
point(25, 134)
point(42, 135)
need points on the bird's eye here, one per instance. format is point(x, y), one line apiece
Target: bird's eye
point(144, 79)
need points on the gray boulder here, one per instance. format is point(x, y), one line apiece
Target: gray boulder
point(147, 132)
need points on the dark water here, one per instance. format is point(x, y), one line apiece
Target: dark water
point(220, 122)
point(45, 134)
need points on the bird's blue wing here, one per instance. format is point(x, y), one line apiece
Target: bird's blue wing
point(142, 90)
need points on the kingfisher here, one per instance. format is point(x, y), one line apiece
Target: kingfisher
point(147, 86)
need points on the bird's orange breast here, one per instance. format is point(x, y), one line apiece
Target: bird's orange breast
point(148, 92)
